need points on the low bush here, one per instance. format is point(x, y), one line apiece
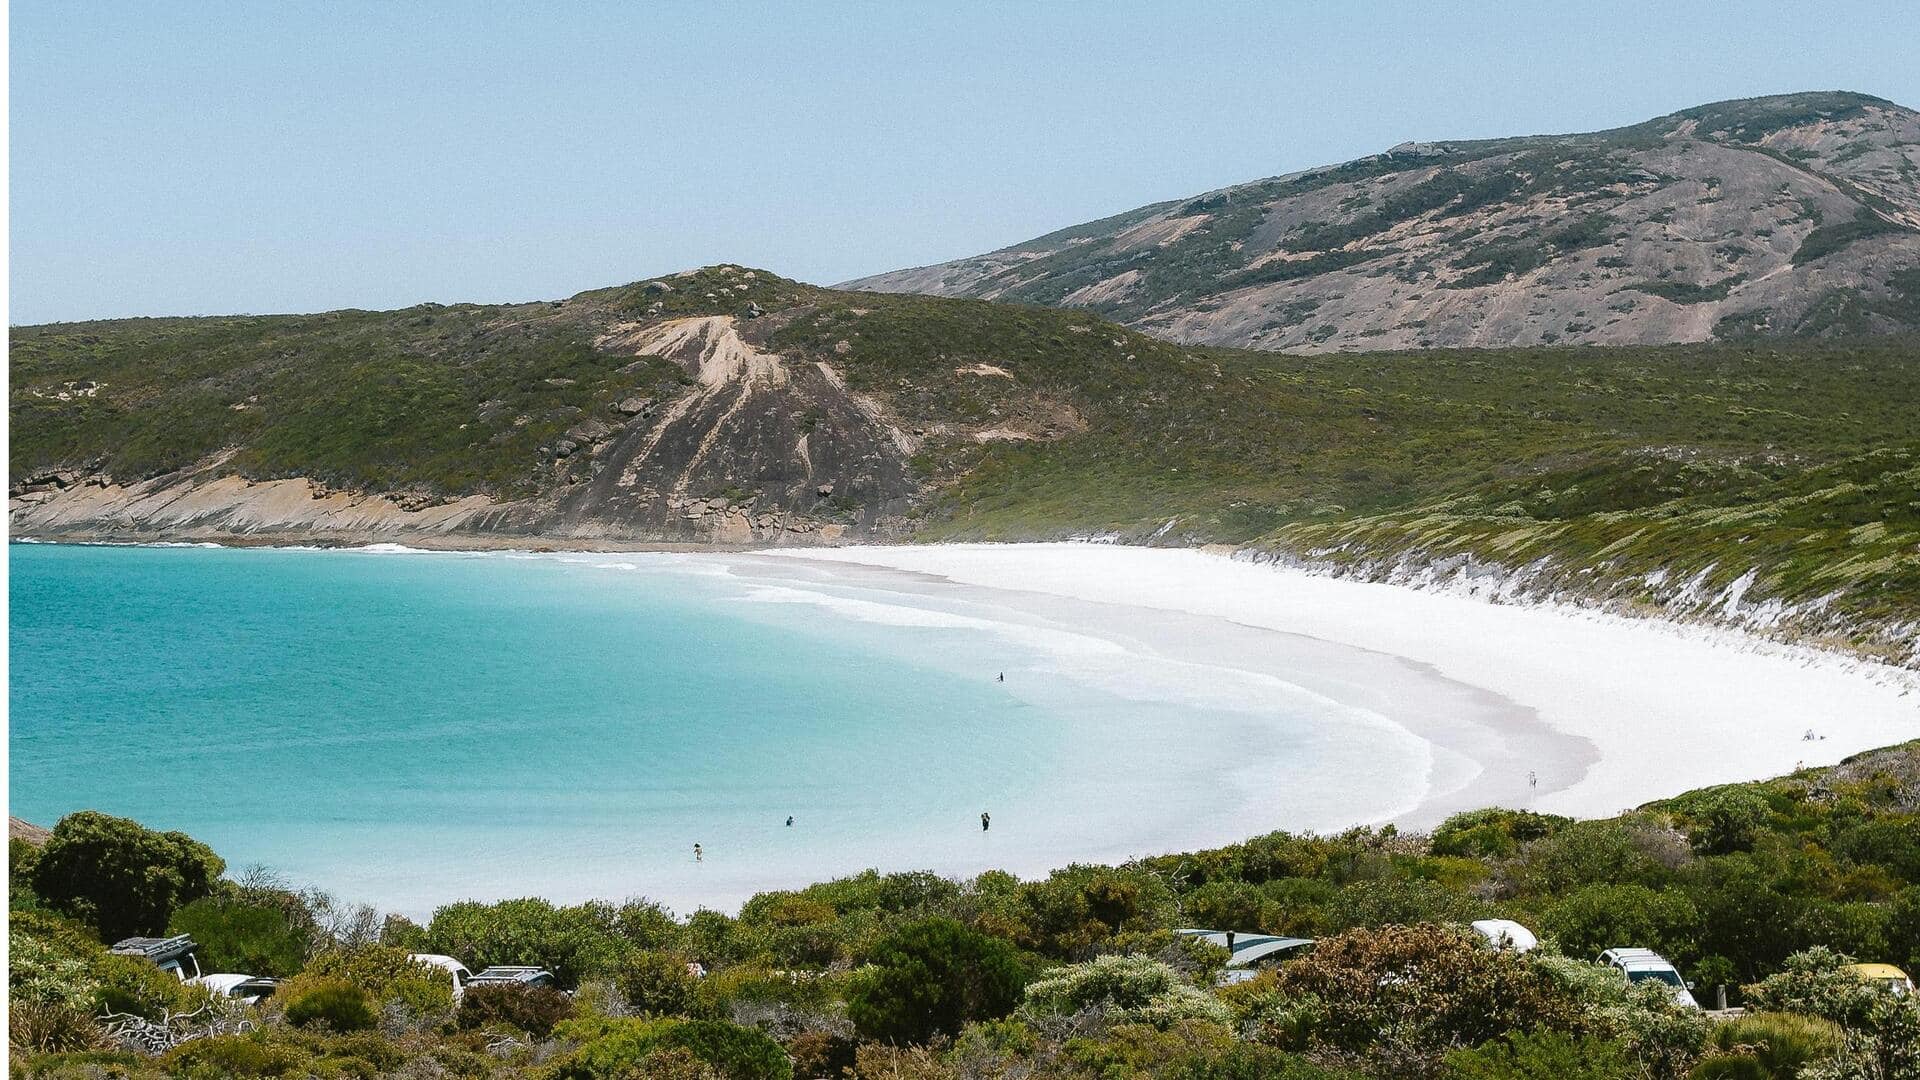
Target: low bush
point(1491, 833)
point(614, 1049)
point(225, 1056)
point(1814, 983)
point(234, 935)
point(55, 961)
point(572, 942)
point(1545, 1055)
point(340, 1005)
point(1432, 987)
point(933, 977)
point(1124, 989)
point(56, 1027)
point(1782, 1043)
point(656, 984)
point(532, 1009)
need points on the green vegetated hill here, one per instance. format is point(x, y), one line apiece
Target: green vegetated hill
point(1796, 215)
point(1763, 890)
point(1766, 482)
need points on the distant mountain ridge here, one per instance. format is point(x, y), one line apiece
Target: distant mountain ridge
point(1795, 215)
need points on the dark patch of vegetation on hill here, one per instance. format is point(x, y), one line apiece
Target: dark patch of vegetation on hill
point(1827, 239)
point(1686, 292)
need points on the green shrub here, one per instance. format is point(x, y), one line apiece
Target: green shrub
point(85, 1065)
point(51, 1027)
point(1432, 987)
point(532, 1009)
point(1244, 1062)
point(614, 1049)
point(1491, 833)
point(1782, 1043)
point(338, 1004)
point(1544, 1055)
point(1730, 1067)
point(385, 974)
point(54, 961)
point(1126, 989)
point(120, 878)
point(225, 1056)
point(1722, 820)
point(656, 984)
point(1595, 918)
point(1813, 983)
point(234, 935)
point(572, 942)
point(932, 978)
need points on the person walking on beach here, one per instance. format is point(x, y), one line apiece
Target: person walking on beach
point(986, 821)
point(789, 821)
point(1002, 678)
point(698, 855)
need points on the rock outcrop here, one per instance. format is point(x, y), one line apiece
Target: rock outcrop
point(1788, 216)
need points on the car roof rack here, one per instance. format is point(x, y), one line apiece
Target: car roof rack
point(157, 949)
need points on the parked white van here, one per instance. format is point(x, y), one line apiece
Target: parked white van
point(456, 971)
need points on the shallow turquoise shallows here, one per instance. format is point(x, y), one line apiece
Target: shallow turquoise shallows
point(410, 729)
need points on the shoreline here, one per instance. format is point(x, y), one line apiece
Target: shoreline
point(1481, 745)
point(1668, 706)
point(1606, 712)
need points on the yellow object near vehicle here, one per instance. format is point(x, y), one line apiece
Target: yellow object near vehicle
point(1885, 976)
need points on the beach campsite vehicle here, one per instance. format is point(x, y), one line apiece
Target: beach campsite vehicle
point(1882, 977)
point(175, 956)
point(1248, 954)
point(456, 971)
point(245, 988)
point(512, 975)
point(1506, 935)
point(1645, 965)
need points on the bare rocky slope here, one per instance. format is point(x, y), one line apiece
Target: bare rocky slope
point(1796, 215)
point(710, 407)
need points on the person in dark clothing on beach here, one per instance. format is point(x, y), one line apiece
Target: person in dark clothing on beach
point(986, 821)
point(789, 821)
point(1003, 677)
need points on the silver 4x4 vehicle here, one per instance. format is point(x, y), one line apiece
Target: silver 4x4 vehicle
point(174, 955)
point(1645, 965)
point(511, 975)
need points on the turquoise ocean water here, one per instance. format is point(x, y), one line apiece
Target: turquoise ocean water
point(408, 729)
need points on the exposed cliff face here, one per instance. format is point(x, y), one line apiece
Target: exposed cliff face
point(720, 406)
point(1790, 216)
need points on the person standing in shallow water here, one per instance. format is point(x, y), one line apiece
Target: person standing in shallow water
point(986, 821)
point(789, 821)
point(698, 855)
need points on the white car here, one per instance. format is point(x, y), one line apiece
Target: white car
point(456, 971)
point(1506, 935)
point(240, 987)
point(1645, 965)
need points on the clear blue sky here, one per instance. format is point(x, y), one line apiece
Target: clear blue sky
point(199, 157)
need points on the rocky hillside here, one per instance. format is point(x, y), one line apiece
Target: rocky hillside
point(1796, 215)
point(1768, 484)
point(723, 405)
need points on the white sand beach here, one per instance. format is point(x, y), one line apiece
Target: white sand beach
point(1606, 712)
